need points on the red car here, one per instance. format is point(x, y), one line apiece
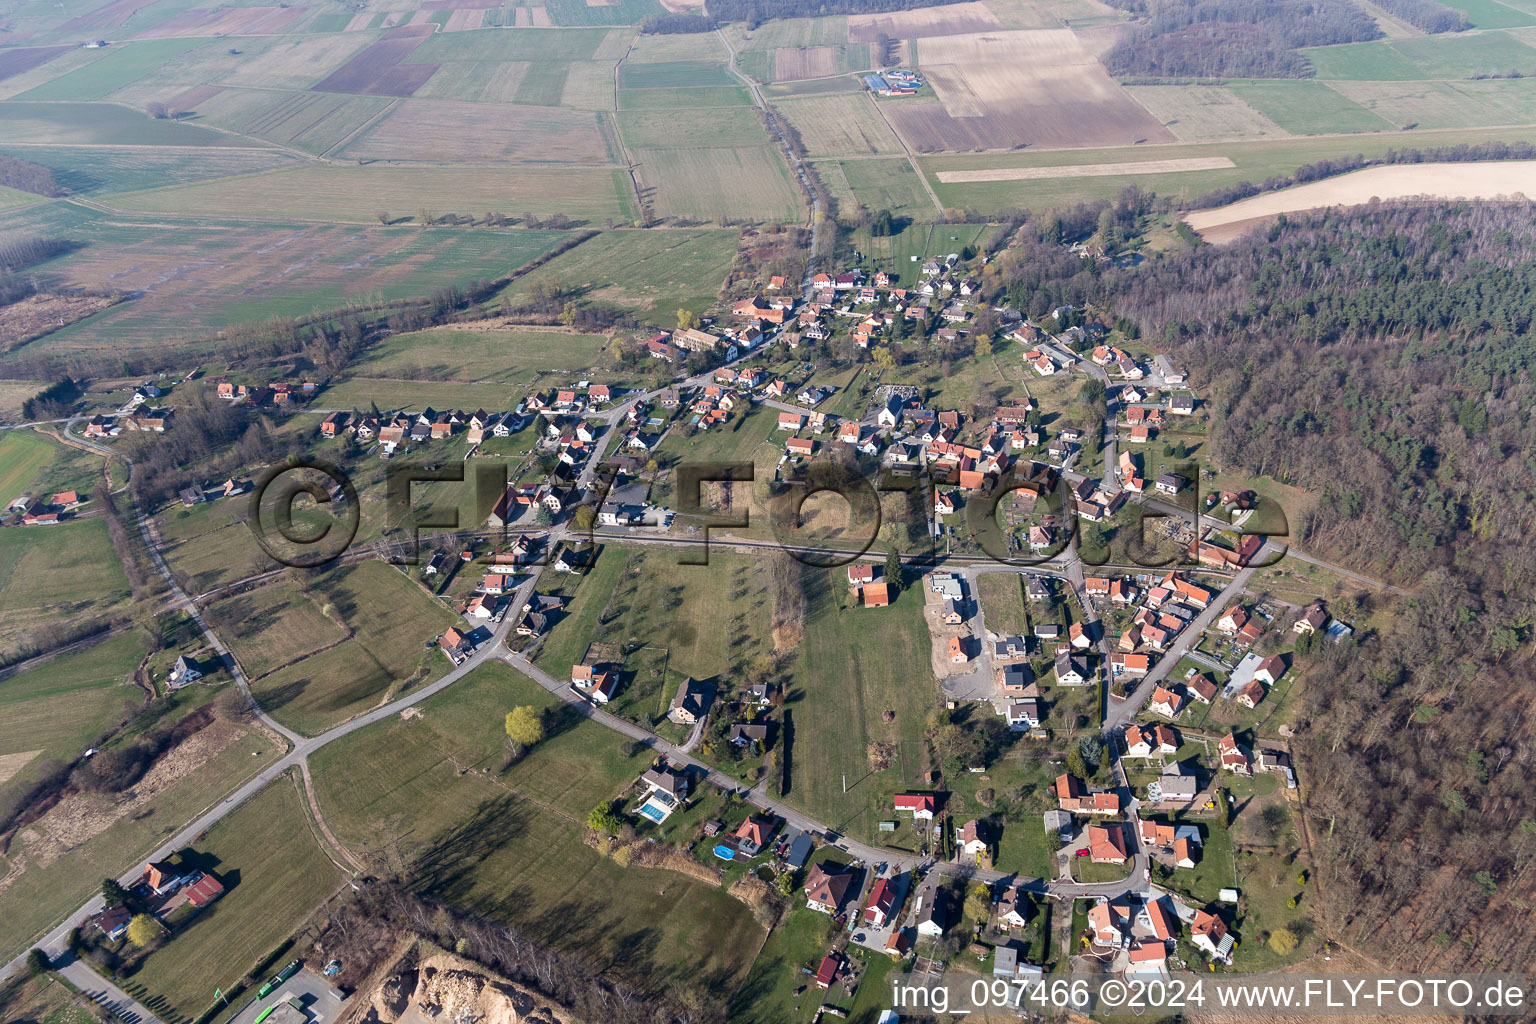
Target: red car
point(1083, 852)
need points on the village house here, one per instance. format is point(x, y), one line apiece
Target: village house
point(1074, 796)
point(691, 702)
point(1106, 843)
point(1231, 757)
point(1150, 741)
point(825, 891)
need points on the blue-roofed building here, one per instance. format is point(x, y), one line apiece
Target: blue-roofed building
point(799, 851)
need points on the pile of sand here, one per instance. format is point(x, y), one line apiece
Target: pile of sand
point(447, 988)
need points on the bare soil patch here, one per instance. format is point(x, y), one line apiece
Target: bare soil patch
point(541, 17)
point(377, 71)
point(195, 97)
point(1203, 163)
point(796, 64)
point(948, 20)
point(14, 62)
point(1031, 87)
point(234, 21)
point(679, 6)
point(1509, 179)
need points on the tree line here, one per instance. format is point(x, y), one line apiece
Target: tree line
point(1233, 38)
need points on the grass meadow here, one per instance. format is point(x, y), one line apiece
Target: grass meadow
point(59, 708)
point(275, 875)
point(1308, 108)
point(49, 573)
point(62, 869)
point(651, 272)
point(510, 355)
point(389, 618)
point(510, 843)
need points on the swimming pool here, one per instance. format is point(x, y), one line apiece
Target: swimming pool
point(725, 852)
point(653, 812)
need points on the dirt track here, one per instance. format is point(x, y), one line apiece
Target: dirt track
point(1494, 180)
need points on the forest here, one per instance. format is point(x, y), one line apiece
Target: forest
point(26, 176)
point(1426, 15)
point(1380, 358)
point(1232, 38)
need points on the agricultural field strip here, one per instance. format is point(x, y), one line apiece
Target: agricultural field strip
point(1402, 181)
point(1203, 163)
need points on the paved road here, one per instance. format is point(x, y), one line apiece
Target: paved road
point(105, 994)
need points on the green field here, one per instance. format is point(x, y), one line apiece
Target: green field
point(389, 617)
point(353, 194)
point(887, 184)
point(59, 708)
point(100, 124)
point(1492, 14)
point(1447, 105)
point(271, 626)
point(118, 68)
point(788, 32)
point(275, 876)
point(1255, 161)
point(203, 275)
point(33, 464)
point(1427, 57)
point(1308, 108)
point(396, 393)
point(509, 355)
point(509, 844)
point(702, 96)
point(853, 666)
point(702, 129)
point(650, 604)
point(677, 74)
point(98, 170)
point(65, 864)
point(312, 122)
point(651, 272)
point(51, 572)
point(728, 185)
point(620, 12)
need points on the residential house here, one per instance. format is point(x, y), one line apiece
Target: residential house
point(691, 702)
point(1201, 687)
point(973, 839)
point(1150, 741)
point(920, 805)
point(825, 891)
point(753, 834)
point(1209, 934)
point(1232, 757)
point(1106, 843)
point(884, 901)
point(1024, 715)
point(1165, 702)
point(185, 671)
point(1071, 670)
point(1074, 796)
point(1013, 908)
point(1251, 695)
